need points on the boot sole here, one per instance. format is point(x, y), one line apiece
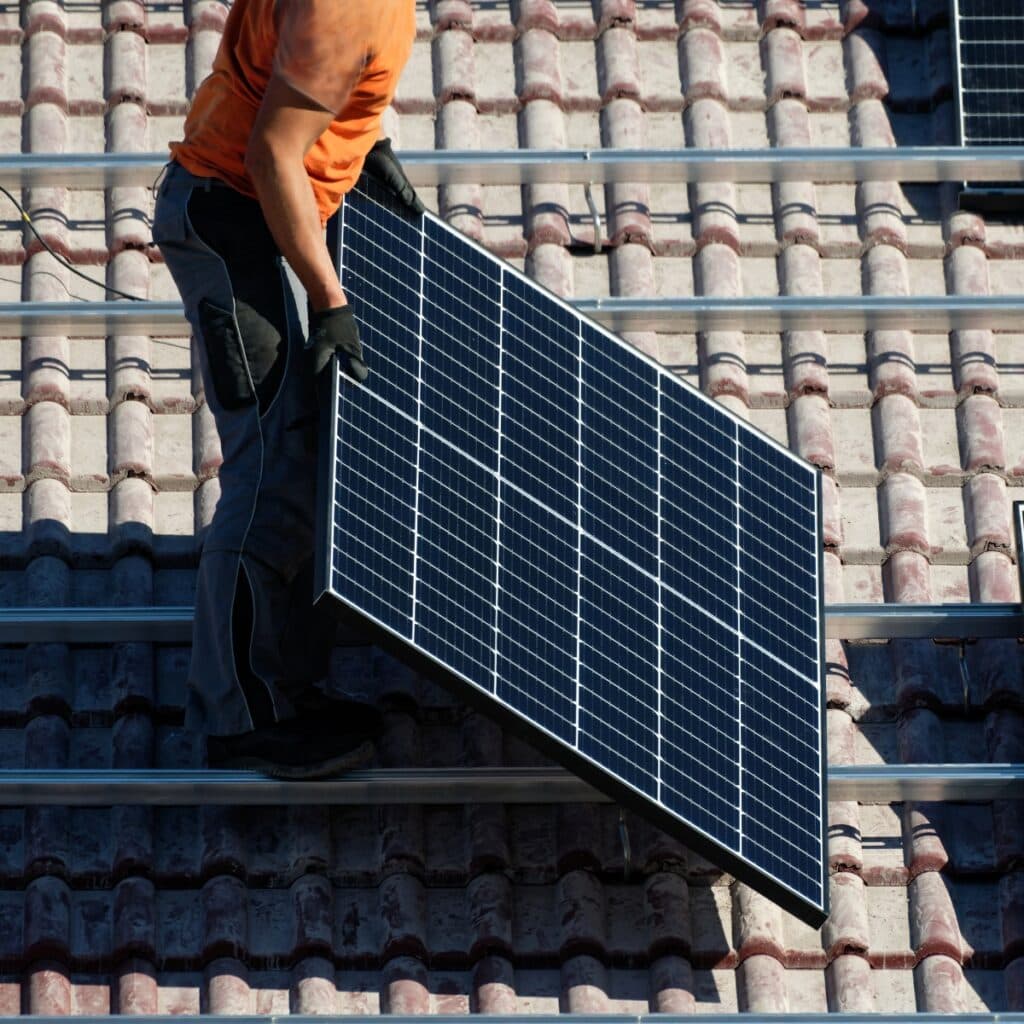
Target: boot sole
point(337, 765)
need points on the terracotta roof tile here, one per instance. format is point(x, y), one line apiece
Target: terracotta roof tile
point(108, 478)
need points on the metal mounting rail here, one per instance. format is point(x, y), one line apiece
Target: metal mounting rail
point(1011, 1017)
point(923, 621)
point(832, 164)
point(977, 783)
point(173, 625)
point(932, 314)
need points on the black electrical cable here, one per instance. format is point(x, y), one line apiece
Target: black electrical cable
point(60, 259)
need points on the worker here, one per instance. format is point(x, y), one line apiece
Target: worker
point(276, 135)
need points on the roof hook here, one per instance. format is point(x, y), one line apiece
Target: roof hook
point(627, 853)
point(965, 678)
point(595, 216)
point(961, 661)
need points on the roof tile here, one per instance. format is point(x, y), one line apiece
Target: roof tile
point(980, 426)
point(672, 985)
point(537, 14)
point(131, 441)
point(454, 68)
point(49, 991)
point(584, 986)
point(618, 66)
point(974, 362)
point(988, 523)
point(702, 67)
point(938, 982)
point(849, 984)
point(482, 878)
point(447, 14)
point(761, 985)
point(404, 987)
point(866, 79)
point(538, 67)
point(782, 53)
point(494, 982)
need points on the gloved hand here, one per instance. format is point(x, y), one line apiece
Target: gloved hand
point(382, 164)
point(335, 330)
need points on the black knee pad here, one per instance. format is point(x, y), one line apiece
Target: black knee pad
point(228, 365)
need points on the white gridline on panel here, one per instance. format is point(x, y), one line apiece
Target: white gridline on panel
point(739, 653)
point(669, 504)
point(423, 430)
point(795, 524)
point(732, 695)
point(416, 575)
point(679, 509)
point(611, 682)
point(472, 526)
point(660, 370)
point(595, 539)
point(562, 328)
point(579, 538)
point(499, 521)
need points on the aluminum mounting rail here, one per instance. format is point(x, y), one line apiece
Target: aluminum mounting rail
point(1001, 1017)
point(832, 164)
point(883, 783)
point(931, 314)
point(173, 624)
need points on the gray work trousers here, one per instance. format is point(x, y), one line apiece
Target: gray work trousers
point(257, 640)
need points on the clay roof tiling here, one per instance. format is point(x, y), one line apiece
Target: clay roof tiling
point(108, 475)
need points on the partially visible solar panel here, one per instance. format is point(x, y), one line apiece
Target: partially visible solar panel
point(1018, 518)
point(990, 41)
point(566, 532)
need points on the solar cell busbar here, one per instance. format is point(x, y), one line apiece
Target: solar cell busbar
point(570, 536)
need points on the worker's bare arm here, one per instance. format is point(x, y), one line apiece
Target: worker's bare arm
point(286, 127)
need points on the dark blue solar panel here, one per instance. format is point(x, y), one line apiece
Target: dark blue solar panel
point(375, 482)
point(619, 499)
point(619, 666)
point(538, 581)
point(628, 571)
point(700, 720)
point(455, 554)
point(990, 41)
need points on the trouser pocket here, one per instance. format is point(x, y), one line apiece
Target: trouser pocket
point(226, 356)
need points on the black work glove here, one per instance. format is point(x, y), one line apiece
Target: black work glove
point(382, 164)
point(335, 330)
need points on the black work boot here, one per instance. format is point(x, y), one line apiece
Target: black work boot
point(297, 748)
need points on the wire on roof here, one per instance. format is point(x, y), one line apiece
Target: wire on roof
point(60, 259)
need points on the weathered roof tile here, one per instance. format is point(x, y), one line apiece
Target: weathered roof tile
point(918, 435)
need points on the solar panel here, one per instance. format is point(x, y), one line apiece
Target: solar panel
point(571, 537)
point(1018, 518)
point(990, 44)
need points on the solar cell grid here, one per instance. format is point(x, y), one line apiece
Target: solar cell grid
point(557, 526)
point(989, 40)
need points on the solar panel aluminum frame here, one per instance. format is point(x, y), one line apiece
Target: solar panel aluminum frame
point(370, 630)
point(1018, 521)
point(991, 197)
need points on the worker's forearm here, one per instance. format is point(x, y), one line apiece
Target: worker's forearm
point(289, 207)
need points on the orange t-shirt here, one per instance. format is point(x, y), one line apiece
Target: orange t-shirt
point(345, 55)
